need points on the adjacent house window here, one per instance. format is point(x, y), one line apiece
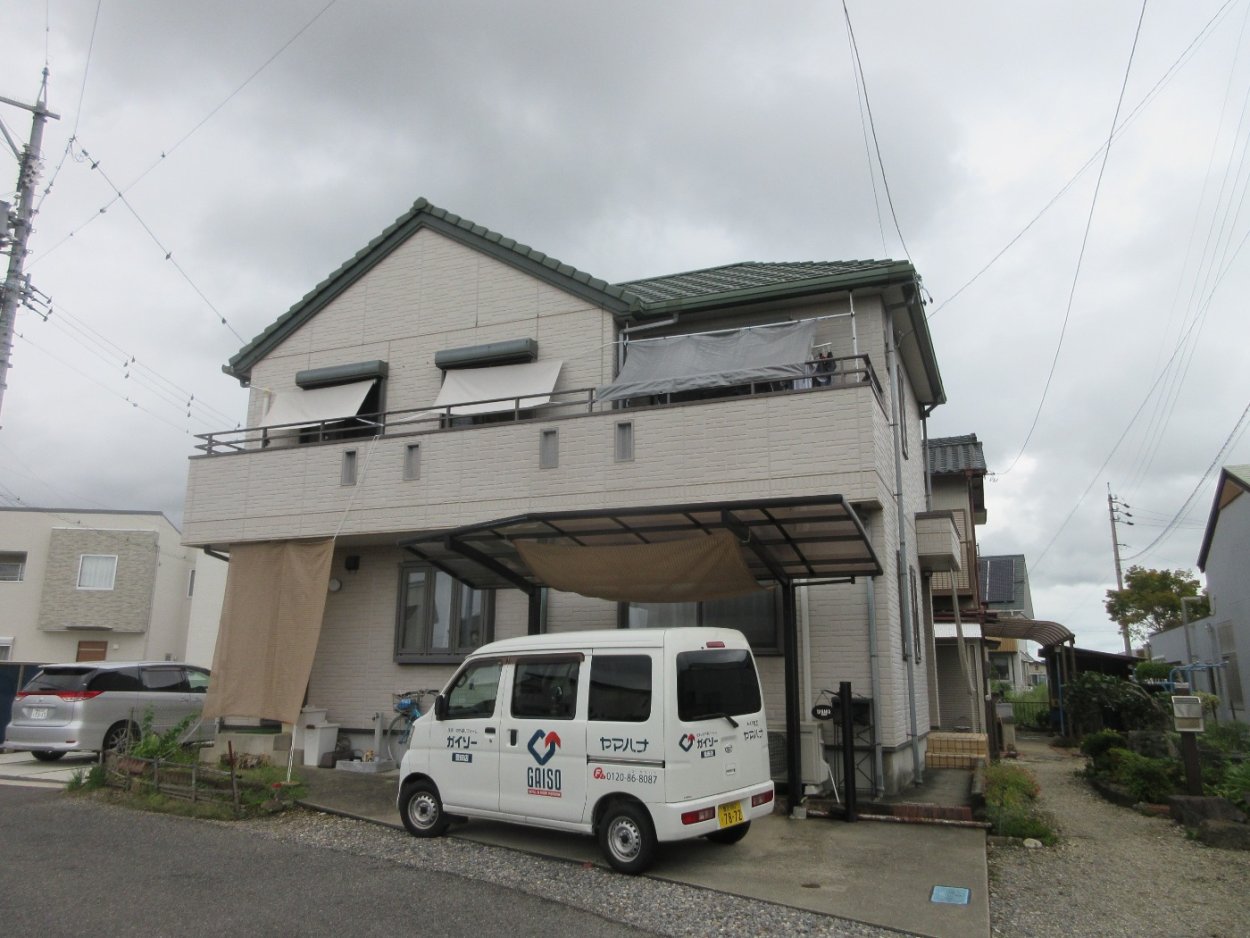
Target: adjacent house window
point(412, 462)
point(625, 441)
point(92, 651)
point(349, 468)
point(97, 571)
point(12, 566)
point(6, 649)
point(549, 449)
point(440, 618)
point(756, 615)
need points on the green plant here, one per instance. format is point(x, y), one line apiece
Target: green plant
point(1092, 697)
point(1007, 783)
point(1235, 785)
point(1146, 779)
point(1233, 736)
point(1022, 821)
point(1098, 745)
point(167, 745)
point(1011, 794)
point(1157, 670)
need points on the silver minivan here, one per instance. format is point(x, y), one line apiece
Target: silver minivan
point(99, 705)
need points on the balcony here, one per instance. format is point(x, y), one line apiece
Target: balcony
point(425, 469)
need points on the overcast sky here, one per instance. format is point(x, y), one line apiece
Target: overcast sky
point(644, 138)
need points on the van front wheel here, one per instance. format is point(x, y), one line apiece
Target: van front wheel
point(730, 835)
point(422, 810)
point(627, 837)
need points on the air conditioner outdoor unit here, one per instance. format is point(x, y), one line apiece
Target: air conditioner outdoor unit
point(815, 770)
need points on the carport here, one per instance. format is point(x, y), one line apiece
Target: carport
point(671, 553)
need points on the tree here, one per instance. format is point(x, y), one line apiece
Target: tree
point(1151, 600)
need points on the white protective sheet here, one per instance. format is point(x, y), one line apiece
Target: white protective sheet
point(308, 408)
point(499, 388)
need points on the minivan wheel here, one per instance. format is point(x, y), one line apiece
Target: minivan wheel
point(730, 835)
point(627, 837)
point(421, 809)
point(119, 737)
point(46, 755)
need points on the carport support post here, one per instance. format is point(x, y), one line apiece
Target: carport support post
point(535, 610)
point(790, 642)
point(845, 699)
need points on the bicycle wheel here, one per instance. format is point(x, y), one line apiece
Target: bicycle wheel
point(397, 736)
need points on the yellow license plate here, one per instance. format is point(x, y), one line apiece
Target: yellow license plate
point(730, 814)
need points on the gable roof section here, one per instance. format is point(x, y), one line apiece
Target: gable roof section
point(422, 215)
point(1234, 482)
point(714, 287)
point(955, 454)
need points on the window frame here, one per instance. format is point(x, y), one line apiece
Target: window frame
point(424, 654)
point(19, 564)
point(112, 576)
point(758, 648)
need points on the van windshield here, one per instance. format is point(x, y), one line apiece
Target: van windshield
point(716, 683)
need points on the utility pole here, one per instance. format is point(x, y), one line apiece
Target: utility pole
point(1114, 508)
point(14, 290)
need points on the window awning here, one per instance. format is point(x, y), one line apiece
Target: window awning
point(498, 389)
point(689, 362)
point(307, 408)
point(816, 538)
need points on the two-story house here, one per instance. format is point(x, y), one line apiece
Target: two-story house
point(455, 438)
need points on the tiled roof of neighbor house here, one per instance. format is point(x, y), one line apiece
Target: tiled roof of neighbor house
point(1234, 482)
point(955, 454)
point(654, 297)
point(732, 278)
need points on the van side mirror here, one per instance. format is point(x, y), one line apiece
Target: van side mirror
point(440, 707)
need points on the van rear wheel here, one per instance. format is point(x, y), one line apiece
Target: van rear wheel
point(421, 809)
point(627, 837)
point(119, 737)
point(730, 835)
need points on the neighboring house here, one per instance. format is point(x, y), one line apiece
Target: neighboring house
point(958, 685)
point(92, 585)
point(449, 399)
point(1005, 593)
point(1220, 644)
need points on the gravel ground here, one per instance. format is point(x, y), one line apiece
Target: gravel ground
point(1115, 872)
point(658, 907)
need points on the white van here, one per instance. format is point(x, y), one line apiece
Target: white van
point(637, 736)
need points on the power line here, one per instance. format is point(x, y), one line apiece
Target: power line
point(1089, 221)
point(885, 182)
point(82, 90)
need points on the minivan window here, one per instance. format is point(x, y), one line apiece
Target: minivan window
point(169, 680)
point(716, 682)
point(55, 679)
point(620, 688)
point(125, 679)
point(474, 691)
point(545, 688)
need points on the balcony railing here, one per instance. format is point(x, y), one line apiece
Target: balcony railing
point(825, 374)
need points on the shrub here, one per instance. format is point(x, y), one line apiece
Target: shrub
point(166, 745)
point(1022, 822)
point(1152, 670)
point(1008, 784)
point(1235, 784)
point(1095, 699)
point(1096, 745)
point(1146, 779)
point(1227, 737)
point(1011, 794)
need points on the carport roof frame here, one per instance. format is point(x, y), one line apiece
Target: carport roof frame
point(807, 538)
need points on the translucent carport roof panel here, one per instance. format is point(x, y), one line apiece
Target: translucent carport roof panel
point(804, 538)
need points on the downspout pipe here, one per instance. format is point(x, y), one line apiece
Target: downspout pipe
point(901, 563)
point(874, 663)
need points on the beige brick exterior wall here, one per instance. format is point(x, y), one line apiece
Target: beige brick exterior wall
point(126, 607)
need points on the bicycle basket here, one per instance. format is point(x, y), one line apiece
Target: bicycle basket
point(405, 705)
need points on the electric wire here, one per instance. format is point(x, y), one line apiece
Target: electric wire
point(188, 135)
point(885, 182)
point(863, 127)
point(1089, 221)
point(82, 90)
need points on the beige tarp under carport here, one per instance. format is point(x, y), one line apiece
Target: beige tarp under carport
point(694, 568)
point(270, 623)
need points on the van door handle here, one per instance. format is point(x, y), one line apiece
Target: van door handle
point(490, 731)
point(512, 737)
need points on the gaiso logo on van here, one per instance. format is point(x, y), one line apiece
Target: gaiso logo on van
point(540, 780)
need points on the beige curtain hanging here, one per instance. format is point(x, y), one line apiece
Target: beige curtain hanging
point(699, 568)
point(270, 624)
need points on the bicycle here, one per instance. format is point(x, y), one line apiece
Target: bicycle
point(407, 707)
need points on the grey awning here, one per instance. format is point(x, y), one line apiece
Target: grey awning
point(689, 362)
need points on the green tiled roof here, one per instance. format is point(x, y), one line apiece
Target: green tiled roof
point(734, 278)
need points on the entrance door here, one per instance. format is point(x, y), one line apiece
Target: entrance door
point(543, 753)
point(464, 748)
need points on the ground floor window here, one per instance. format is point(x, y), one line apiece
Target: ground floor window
point(440, 618)
point(756, 615)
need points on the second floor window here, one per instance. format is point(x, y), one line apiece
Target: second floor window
point(97, 571)
point(440, 619)
point(12, 567)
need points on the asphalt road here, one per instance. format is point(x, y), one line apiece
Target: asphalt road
point(71, 867)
